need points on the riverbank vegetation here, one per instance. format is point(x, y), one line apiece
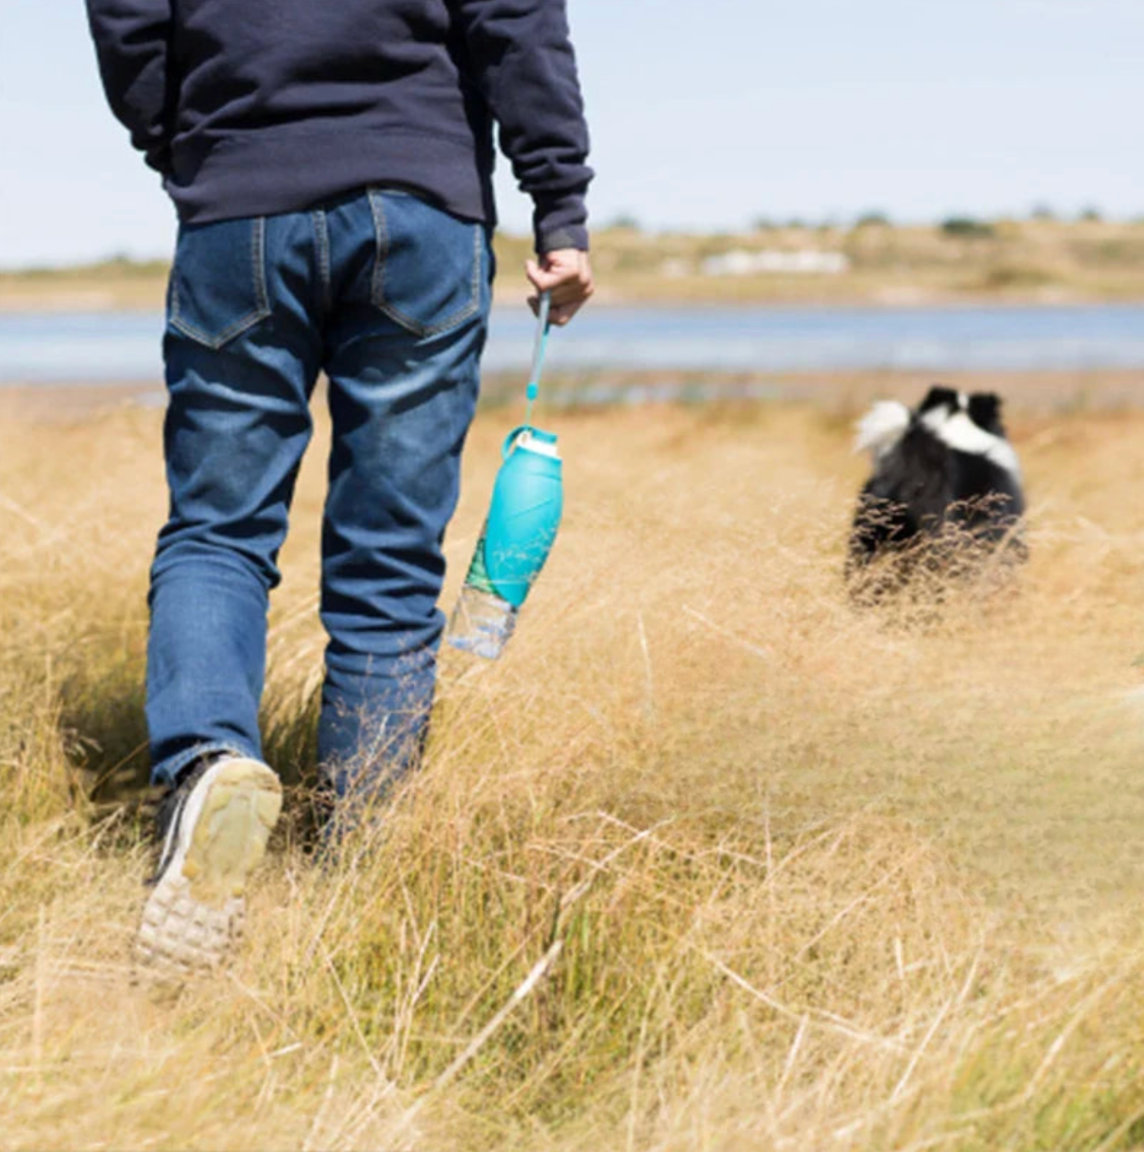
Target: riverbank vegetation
point(709, 860)
point(958, 260)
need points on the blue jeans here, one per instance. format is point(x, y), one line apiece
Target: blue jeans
point(389, 296)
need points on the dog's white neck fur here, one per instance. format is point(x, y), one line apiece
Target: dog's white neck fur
point(881, 428)
point(957, 431)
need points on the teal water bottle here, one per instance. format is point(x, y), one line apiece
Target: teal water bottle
point(527, 503)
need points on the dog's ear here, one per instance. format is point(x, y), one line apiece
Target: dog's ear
point(939, 396)
point(985, 412)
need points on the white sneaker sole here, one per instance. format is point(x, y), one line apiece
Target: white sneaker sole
point(195, 912)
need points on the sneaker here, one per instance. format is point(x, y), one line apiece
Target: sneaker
point(214, 826)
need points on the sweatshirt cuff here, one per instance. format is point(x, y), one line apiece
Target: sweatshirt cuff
point(560, 222)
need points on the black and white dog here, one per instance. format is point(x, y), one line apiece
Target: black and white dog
point(944, 474)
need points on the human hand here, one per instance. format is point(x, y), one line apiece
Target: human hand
point(567, 274)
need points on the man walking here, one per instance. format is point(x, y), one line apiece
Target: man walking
point(331, 166)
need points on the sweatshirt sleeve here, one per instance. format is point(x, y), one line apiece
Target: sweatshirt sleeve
point(132, 44)
point(524, 64)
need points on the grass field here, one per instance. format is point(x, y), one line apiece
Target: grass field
point(1029, 261)
point(709, 860)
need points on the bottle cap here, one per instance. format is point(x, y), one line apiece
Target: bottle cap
point(542, 443)
point(531, 440)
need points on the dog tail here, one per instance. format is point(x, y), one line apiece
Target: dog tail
point(879, 431)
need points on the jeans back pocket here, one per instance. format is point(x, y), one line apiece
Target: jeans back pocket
point(218, 280)
point(427, 276)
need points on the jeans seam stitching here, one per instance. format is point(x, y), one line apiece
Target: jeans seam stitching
point(381, 231)
point(381, 236)
point(261, 297)
point(322, 235)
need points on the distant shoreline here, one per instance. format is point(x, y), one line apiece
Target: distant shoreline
point(150, 298)
point(99, 303)
point(1024, 263)
point(844, 393)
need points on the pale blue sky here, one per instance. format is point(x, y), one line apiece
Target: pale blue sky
point(703, 115)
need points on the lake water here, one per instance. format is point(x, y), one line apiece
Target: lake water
point(124, 346)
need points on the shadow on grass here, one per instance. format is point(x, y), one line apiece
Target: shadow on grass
point(103, 725)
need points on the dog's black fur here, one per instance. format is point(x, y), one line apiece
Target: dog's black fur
point(944, 470)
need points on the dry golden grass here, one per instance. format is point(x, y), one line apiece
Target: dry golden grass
point(708, 861)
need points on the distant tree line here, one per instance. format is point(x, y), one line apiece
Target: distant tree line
point(958, 225)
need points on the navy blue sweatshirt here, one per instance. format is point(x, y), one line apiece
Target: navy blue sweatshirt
point(253, 107)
